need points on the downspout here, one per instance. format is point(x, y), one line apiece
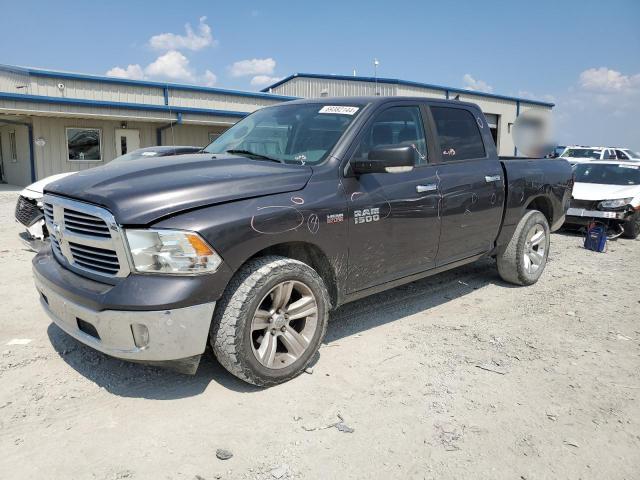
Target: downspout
point(515, 149)
point(32, 157)
point(159, 130)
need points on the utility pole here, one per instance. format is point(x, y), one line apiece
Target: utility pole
point(375, 73)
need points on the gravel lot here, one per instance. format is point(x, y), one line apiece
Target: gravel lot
point(456, 376)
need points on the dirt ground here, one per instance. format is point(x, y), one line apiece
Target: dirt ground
point(456, 376)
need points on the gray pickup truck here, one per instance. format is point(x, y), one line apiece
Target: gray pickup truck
point(295, 210)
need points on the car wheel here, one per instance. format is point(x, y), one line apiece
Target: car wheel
point(270, 321)
point(525, 257)
point(632, 226)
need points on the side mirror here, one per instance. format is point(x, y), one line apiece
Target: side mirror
point(386, 160)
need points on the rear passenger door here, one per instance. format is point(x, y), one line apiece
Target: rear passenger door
point(471, 183)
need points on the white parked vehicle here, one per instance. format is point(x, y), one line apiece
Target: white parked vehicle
point(29, 209)
point(579, 154)
point(607, 192)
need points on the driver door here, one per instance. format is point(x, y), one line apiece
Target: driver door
point(393, 217)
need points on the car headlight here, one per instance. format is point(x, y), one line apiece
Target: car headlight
point(171, 252)
point(617, 203)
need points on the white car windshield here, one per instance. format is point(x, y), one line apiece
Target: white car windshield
point(632, 154)
point(582, 153)
point(298, 134)
point(608, 174)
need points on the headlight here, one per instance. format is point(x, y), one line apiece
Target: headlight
point(620, 202)
point(171, 252)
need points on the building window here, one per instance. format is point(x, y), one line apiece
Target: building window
point(84, 144)
point(13, 148)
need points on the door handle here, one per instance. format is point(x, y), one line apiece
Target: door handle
point(492, 178)
point(426, 188)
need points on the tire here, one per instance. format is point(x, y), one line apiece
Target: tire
point(250, 301)
point(632, 227)
point(515, 264)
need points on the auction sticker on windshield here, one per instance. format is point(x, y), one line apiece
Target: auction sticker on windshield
point(342, 110)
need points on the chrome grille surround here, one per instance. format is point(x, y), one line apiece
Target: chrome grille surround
point(86, 237)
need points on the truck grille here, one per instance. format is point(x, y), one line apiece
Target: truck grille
point(85, 237)
point(27, 212)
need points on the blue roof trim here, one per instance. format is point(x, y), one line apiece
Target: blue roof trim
point(128, 106)
point(395, 81)
point(140, 83)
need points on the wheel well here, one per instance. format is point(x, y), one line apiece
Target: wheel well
point(312, 256)
point(543, 205)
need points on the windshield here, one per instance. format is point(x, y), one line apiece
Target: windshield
point(300, 133)
point(611, 174)
point(582, 153)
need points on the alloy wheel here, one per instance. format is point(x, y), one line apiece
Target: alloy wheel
point(284, 324)
point(535, 248)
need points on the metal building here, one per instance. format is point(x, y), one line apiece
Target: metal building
point(53, 122)
point(501, 111)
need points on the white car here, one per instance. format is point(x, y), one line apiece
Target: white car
point(29, 209)
point(580, 154)
point(607, 192)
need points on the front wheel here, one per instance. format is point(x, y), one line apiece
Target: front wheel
point(525, 257)
point(270, 321)
point(632, 226)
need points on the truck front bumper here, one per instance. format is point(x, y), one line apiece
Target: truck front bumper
point(173, 337)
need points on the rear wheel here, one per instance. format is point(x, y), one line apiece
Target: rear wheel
point(270, 321)
point(525, 257)
point(632, 226)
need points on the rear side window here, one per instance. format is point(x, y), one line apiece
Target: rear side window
point(621, 155)
point(458, 134)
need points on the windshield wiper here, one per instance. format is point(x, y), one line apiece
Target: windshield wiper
point(255, 155)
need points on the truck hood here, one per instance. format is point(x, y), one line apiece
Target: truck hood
point(140, 192)
point(34, 191)
point(599, 191)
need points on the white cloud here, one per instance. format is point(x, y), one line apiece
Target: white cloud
point(471, 83)
point(262, 80)
point(601, 109)
point(255, 66)
point(209, 78)
point(134, 72)
point(172, 65)
point(191, 41)
point(606, 80)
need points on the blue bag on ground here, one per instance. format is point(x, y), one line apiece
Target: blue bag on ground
point(596, 238)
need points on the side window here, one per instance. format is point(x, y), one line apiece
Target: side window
point(621, 155)
point(400, 126)
point(458, 133)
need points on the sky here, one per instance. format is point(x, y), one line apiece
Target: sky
point(584, 56)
